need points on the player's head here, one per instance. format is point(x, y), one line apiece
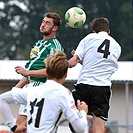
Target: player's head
point(56, 18)
point(56, 65)
point(50, 24)
point(100, 24)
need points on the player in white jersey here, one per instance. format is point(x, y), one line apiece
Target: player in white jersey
point(47, 102)
point(98, 53)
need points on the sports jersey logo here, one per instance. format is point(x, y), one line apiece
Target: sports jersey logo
point(34, 52)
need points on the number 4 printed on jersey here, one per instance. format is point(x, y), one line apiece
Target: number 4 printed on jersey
point(105, 51)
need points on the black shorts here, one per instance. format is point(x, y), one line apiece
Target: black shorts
point(96, 97)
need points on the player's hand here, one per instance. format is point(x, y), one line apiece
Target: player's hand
point(73, 52)
point(21, 70)
point(82, 106)
point(21, 129)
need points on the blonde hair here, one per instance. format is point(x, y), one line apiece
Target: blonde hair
point(56, 65)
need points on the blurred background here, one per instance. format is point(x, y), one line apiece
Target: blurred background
point(20, 21)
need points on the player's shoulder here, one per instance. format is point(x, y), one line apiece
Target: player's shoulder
point(53, 84)
point(39, 41)
point(57, 43)
point(88, 38)
point(53, 40)
point(63, 90)
point(90, 35)
point(114, 41)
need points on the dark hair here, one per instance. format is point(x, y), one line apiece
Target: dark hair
point(56, 65)
point(56, 18)
point(100, 24)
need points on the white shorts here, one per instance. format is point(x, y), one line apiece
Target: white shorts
point(22, 108)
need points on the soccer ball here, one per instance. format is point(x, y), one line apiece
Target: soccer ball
point(75, 17)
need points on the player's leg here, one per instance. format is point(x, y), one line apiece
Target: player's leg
point(100, 107)
point(98, 125)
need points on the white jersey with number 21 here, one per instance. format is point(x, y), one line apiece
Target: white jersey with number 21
point(45, 104)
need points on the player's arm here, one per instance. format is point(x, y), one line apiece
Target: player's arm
point(80, 124)
point(33, 73)
point(74, 60)
point(37, 73)
point(77, 55)
point(22, 82)
point(75, 115)
point(5, 100)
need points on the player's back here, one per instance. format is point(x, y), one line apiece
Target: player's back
point(101, 53)
point(43, 106)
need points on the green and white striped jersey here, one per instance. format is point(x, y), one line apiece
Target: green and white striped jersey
point(39, 53)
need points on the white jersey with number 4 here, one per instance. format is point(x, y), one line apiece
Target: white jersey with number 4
point(99, 53)
point(45, 104)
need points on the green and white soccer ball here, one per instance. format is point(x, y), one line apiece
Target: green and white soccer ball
point(75, 17)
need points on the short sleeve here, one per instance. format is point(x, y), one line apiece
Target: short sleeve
point(80, 50)
point(19, 95)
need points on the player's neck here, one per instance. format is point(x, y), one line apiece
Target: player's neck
point(60, 81)
point(49, 36)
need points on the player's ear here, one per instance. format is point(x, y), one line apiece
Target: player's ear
point(55, 28)
point(109, 31)
point(66, 74)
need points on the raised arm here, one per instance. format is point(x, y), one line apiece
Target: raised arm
point(33, 73)
point(73, 61)
point(22, 82)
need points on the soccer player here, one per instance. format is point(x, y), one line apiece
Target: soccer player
point(98, 53)
point(47, 102)
point(34, 72)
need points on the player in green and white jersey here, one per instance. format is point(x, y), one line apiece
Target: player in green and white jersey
point(34, 72)
point(40, 52)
